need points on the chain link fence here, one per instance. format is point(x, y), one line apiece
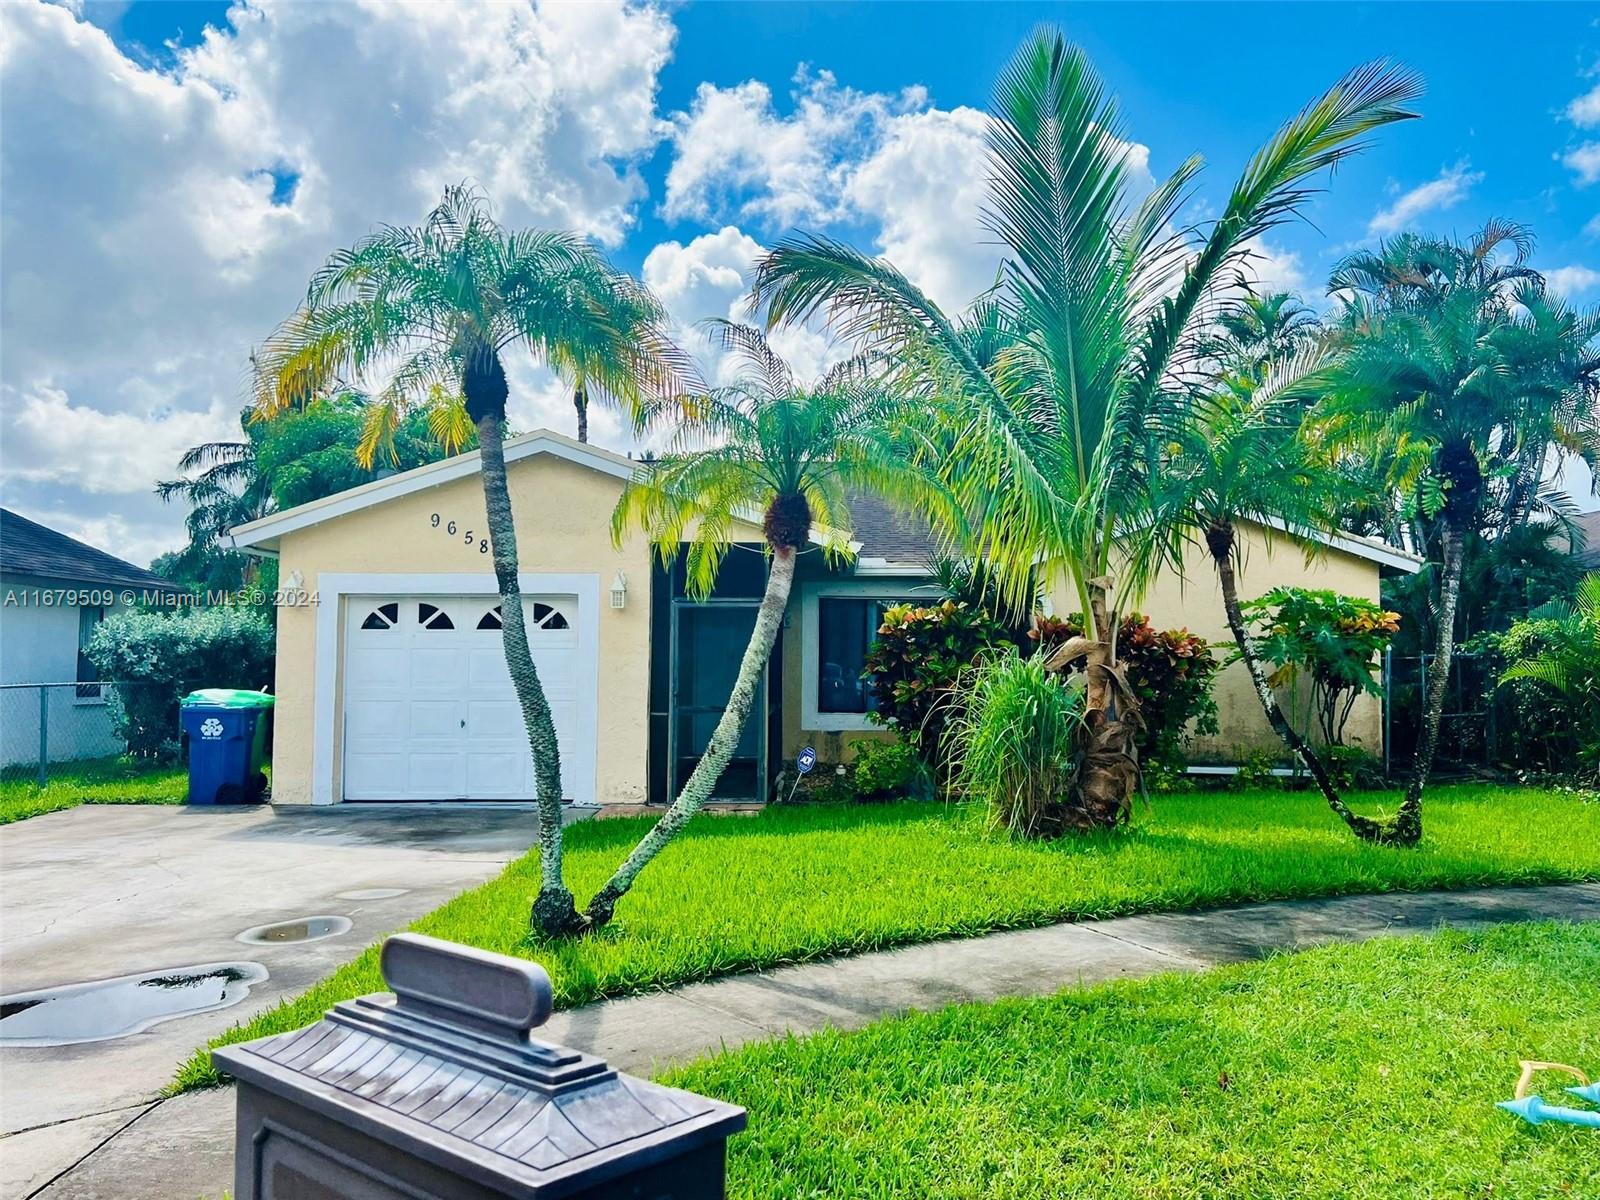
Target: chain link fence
point(46, 724)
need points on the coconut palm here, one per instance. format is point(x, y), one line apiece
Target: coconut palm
point(435, 306)
point(763, 448)
point(1056, 442)
point(1454, 349)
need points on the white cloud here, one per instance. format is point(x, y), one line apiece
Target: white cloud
point(1584, 110)
point(160, 222)
point(1451, 186)
point(736, 156)
point(1571, 281)
point(1591, 227)
point(1272, 269)
point(925, 184)
point(103, 453)
point(1584, 161)
point(710, 277)
point(914, 174)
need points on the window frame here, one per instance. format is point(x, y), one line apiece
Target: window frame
point(907, 589)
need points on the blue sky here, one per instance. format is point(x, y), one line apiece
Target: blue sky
point(184, 182)
point(1215, 78)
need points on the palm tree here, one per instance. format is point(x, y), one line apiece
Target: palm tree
point(223, 487)
point(585, 366)
point(1242, 459)
point(763, 445)
point(437, 305)
point(1454, 349)
point(1055, 443)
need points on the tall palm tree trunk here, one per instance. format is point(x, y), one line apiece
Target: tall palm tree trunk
point(580, 401)
point(1220, 540)
point(554, 911)
point(719, 751)
point(1407, 828)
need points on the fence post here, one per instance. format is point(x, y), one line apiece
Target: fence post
point(1388, 705)
point(44, 735)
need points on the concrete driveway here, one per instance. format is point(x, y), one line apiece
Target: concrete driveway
point(98, 892)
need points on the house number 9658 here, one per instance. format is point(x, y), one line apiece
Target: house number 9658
point(467, 538)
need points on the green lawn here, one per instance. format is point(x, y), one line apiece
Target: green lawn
point(93, 781)
point(1362, 1072)
point(792, 884)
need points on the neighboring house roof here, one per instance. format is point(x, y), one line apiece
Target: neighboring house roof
point(1588, 554)
point(886, 540)
point(29, 548)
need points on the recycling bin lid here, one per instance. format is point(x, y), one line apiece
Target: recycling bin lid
point(228, 698)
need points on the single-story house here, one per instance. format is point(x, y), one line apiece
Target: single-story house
point(56, 590)
point(392, 686)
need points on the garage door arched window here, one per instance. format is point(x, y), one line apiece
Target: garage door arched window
point(546, 617)
point(490, 619)
point(385, 616)
point(432, 617)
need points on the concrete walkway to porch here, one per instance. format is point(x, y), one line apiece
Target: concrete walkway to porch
point(182, 1148)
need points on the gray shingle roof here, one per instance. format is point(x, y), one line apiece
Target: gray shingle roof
point(29, 548)
point(1589, 553)
point(887, 532)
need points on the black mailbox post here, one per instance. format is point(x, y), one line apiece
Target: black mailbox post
point(439, 1091)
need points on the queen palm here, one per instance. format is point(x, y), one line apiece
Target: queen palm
point(1055, 444)
point(1452, 348)
point(763, 448)
point(434, 307)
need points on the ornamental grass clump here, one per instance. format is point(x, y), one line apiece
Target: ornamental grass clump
point(1012, 744)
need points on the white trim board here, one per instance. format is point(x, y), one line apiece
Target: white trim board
point(328, 650)
point(259, 537)
point(253, 535)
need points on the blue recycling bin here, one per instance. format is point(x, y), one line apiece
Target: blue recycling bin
point(227, 745)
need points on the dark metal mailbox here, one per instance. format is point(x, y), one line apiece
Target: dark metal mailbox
point(439, 1091)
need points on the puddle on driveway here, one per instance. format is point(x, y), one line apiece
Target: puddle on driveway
point(371, 894)
point(129, 1004)
point(301, 929)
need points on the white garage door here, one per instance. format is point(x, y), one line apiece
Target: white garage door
point(429, 711)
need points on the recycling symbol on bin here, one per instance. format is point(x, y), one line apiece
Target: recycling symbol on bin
point(211, 728)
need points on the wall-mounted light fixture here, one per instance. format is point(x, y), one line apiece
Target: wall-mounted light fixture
point(619, 591)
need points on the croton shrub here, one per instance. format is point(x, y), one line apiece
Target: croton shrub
point(1170, 670)
point(916, 662)
point(916, 665)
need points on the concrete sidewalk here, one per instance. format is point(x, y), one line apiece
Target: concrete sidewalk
point(183, 1148)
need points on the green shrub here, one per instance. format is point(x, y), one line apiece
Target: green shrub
point(886, 770)
point(1169, 670)
point(915, 664)
point(1332, 639)
point(1553, 677)
point(1354, 769)
point(1013, 744)
point(170, 655)
point(1255, 770)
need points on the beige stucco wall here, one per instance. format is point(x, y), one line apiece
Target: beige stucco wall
point(1193, 600)
point(563, 514)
